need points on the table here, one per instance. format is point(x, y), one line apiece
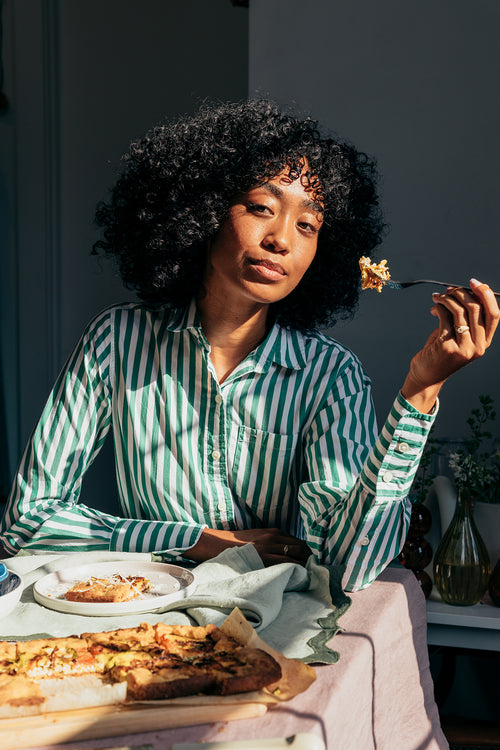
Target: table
point(379, 694)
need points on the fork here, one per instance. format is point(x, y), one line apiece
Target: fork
point(404, 284)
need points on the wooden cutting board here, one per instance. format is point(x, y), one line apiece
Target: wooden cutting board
point(114, 721)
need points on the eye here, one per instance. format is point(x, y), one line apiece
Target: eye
point(258, 208)
point(306, 226)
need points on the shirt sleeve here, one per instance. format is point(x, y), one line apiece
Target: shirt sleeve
point(355, 505)
point(43, 510)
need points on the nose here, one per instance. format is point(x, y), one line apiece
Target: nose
point(278, 236)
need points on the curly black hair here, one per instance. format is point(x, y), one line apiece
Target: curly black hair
point(179, 182)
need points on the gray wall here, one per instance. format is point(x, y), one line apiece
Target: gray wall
point(416, 86)
point(84, 77)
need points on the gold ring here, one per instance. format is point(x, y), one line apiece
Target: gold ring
point(285, 550)
point(461, 329)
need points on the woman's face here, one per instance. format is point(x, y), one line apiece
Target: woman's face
point(266, 244)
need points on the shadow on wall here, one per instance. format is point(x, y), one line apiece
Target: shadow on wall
point(99, 488)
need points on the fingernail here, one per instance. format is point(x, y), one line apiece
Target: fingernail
point(435, 294)
point(475, 282)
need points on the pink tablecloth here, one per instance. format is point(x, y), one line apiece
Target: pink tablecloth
point(379, 695)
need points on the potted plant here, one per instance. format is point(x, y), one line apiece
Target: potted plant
point(477, 465)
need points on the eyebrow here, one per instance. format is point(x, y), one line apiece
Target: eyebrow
point(278, 193)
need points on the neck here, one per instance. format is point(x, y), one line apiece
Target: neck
point(232, 332)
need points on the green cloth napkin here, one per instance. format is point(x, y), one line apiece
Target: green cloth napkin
point(294, 609)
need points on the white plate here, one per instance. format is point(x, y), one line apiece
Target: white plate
point(169, 584)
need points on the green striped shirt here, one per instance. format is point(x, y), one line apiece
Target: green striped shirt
point(288, 440)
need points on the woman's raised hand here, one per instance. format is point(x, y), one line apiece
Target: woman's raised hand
point(467, 323)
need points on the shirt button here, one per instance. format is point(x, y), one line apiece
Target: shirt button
point(387, 476)
point(220, 506)
point(215, 455)
point(403, 447)
point(364, 541)
point(218, 399)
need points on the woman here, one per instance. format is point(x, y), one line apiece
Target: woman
point(234, 419)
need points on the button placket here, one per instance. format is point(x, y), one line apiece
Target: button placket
point(219, 421)
point(218, 457)
point(213, 446)
point(402, 447)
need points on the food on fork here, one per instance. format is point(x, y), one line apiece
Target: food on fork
point(373, 275)
point(116, 588)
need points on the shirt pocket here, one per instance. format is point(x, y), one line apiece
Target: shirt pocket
point(264, 470)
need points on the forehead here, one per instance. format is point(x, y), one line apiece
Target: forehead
point(303, 188)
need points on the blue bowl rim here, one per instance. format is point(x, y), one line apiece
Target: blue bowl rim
point(11, 583)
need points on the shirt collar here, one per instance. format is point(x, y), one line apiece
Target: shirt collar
point(184, 318)
point(282, 346)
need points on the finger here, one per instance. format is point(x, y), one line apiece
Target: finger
point(459, 336)
point(455, 301)
point(481, 311)
point(295, 550)
point(467, 337)
point(445, 331)
point(491, 310)
point(469, 313)
point(461, 323)
point(270, 559)
point(292, 550)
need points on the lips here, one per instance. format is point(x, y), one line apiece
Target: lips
point(268, 265)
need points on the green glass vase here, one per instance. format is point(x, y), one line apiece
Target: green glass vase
point(461, 563)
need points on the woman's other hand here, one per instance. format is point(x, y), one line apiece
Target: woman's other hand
point(273, 545)
point(467, 323)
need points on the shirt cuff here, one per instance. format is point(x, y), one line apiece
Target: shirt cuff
point(406, 406)
point(391, 467)
point(131, 535)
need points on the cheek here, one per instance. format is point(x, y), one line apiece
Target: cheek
point(224, 246)
point(236, 235)
point(246, 233)
point(307, 258)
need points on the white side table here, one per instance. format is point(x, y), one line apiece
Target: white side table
point(476, 627)
point(470, 632)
